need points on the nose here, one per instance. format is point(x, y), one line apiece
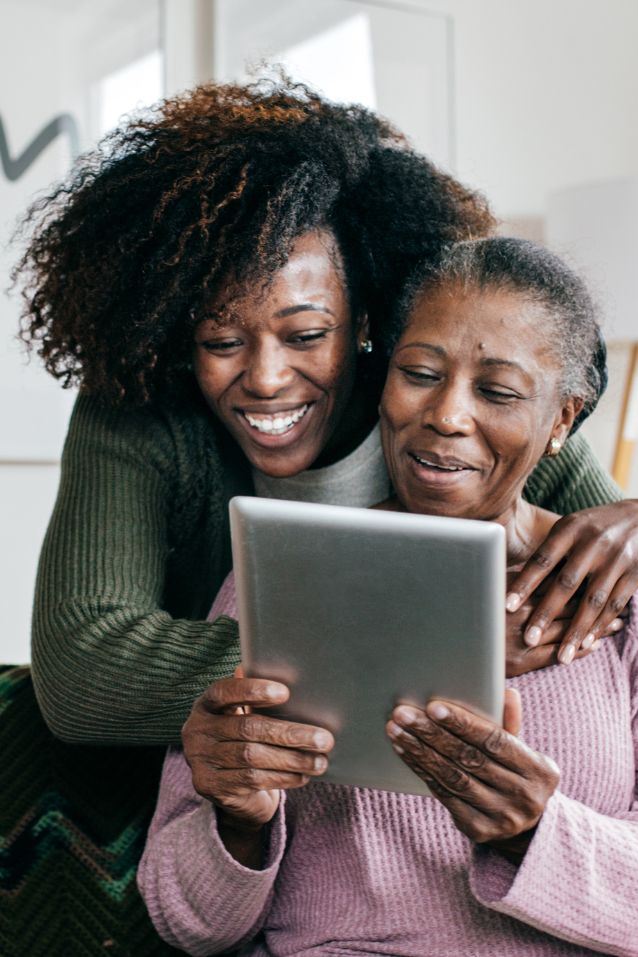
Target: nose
point(268, 372)
point(450, 411)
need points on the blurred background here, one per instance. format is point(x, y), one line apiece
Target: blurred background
point(531, 101)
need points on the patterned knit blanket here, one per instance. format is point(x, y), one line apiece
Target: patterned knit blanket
point(73, 821)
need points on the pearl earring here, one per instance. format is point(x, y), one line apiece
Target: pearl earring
point(366, 345)
point(554, 447)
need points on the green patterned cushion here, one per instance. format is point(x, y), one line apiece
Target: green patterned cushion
point(73, 821)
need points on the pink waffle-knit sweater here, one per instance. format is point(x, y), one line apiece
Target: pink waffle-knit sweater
point(353, 871)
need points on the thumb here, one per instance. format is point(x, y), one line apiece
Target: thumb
point(512, 711)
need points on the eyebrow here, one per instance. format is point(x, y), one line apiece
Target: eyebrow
point(486, 361)
point(302, 307)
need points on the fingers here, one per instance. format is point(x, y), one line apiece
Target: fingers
point(606, 592)
point(605, 599)
point(544, 560)
point(494, 786)
point(233, 755)
point(222, 785)
point(598, 551)
point(260, 729)
point(470, 740)
point(512, 712)
point(238, 691)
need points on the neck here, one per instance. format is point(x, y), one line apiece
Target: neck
point(356, 424)
point(526, 526)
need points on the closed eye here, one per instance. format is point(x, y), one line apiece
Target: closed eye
point(220, 345)
point(308, 338)
point(499, 395)
point(426, 377)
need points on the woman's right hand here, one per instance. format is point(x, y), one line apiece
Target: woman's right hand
point(241, 760)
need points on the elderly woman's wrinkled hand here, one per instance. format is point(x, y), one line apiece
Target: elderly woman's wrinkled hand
point(596, 551)
point(241, 760)
point(493, 785)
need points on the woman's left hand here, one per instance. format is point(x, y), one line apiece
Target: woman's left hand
point(493, 785)
point(597, 547)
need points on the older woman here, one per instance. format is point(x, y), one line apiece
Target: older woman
point(499, 356)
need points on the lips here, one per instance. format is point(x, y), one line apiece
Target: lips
point(275, 423)
point(441, 463)
point(277, 426)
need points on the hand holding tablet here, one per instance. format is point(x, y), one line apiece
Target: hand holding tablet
point(357, 610)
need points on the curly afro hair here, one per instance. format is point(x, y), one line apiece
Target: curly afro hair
point(122, 258)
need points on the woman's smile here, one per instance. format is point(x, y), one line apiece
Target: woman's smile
point(439, 471)
point(469, 404)
point(277, 427)
point(278, 366)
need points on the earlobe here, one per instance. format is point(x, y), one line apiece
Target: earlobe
point(563, 425)
point(364, 342)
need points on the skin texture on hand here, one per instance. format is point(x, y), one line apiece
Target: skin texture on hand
point(241, 760)
point(493, 785)
point(520, 656)
point(593, 553)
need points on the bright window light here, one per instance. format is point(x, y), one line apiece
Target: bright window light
point(337, 62)
point(135, 86)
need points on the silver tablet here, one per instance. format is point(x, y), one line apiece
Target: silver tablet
point(358, 609)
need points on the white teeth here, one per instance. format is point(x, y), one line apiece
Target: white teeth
point(276, 425)
point(442, 468)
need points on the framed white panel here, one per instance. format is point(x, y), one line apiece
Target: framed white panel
point(392, 58)
point(58, 95)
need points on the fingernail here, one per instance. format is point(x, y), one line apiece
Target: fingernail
point(320, 763)
point(566, 654)
point(394, 730)
point(533, 635)
point(617, 624)
point(405, 715)
point(588, 641)
point(398, 748)
point(438, 711)
point(321, 740)
point(596, 644)
point(513, 601)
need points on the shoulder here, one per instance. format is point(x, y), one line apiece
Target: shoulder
point(572, 480)
point(174, 437)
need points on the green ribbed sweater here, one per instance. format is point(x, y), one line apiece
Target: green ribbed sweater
point(136, 550)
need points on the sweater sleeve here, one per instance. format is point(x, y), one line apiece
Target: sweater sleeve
point(109, 664)
point(579, 878)
point(572, 480)
point(201, 899)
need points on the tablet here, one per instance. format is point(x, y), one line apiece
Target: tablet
point(359, 609)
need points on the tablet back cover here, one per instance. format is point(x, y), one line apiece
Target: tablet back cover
point(358, 609)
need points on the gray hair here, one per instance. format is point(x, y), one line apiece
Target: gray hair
point(519, 266)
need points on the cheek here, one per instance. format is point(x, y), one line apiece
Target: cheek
point(518, 442)
point(400, 407)
point(337, 372)
point(210, 378)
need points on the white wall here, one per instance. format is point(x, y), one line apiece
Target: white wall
point(546, 96)
point(52, 52)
